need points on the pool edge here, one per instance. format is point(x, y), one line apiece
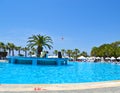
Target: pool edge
point(58, 87)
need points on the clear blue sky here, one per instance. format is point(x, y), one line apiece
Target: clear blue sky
point(82, 23)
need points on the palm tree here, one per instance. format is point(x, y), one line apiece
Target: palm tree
point(18, 49)
point(25, 49)
point(40, 41)
point(69, 53)
point(63, 52)
point(2, 46)
point(76, 53)
point(11, 47)
point(55, 52)
point(8, 48)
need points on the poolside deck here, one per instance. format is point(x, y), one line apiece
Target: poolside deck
point(99, 87)
point(3, 60)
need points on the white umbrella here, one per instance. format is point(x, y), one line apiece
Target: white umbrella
point(33, 55)
point(112, 58)
point(107, 58)
point(81, 57)
point(118, 57)
point(52, 56)
point(91, 57)
point(97, 58)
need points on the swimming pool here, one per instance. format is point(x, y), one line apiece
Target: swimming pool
point(74, 72)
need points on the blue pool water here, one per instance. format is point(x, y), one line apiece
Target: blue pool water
point(74, 72)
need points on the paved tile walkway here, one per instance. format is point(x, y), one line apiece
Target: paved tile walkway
point(98, 90)
point(100, 87)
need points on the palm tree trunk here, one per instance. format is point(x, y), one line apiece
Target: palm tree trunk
point(18, 52)
point(25, 53)
point(69, 55)
point(9, 52)
point(12, 52)
point(39, 50)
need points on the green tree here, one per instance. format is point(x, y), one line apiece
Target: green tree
point(40, 41)
point(8, 48)
point(116, 44)
point(11, 47)
point(55, 52)
point(84, 54)
point(25, 49)
point(69, 53)
point(106, 50)
point(76, 53)
point(117, 52)
point(63, 52)
point(18, 49)
point(94, 51)
point(2, 46)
